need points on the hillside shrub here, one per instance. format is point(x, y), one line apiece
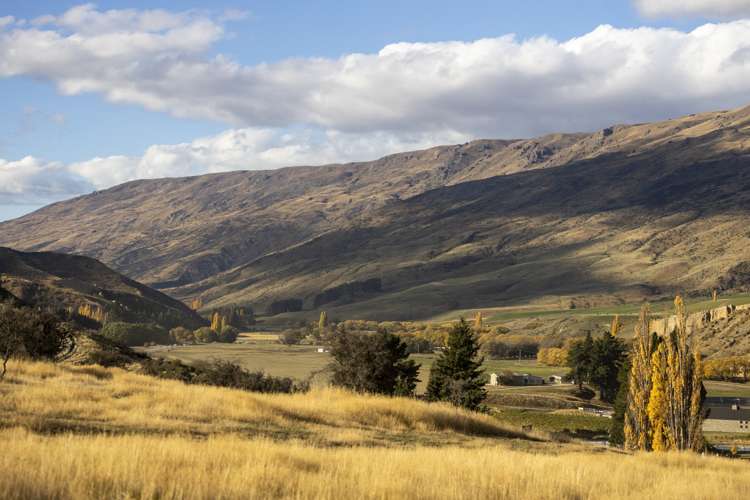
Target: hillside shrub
point(221, 374)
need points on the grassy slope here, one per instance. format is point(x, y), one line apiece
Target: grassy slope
point(167, 440)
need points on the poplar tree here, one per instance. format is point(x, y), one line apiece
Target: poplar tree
point(323, 321)
point(637, 427)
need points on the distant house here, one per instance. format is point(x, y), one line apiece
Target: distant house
point(732, 418)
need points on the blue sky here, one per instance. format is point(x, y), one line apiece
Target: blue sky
point(218, 86)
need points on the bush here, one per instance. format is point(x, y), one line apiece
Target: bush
point(228, 334)
point(292, 337)
point(221, 374)
point(205, 335)
point(132, 334)
point(227, 374)
point(181, 335)
point(108, 358)
point(168, 368)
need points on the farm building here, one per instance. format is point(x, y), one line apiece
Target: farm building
point(733, 418)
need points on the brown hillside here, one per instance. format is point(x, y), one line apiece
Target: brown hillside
point(59, 282)
point(629, 211)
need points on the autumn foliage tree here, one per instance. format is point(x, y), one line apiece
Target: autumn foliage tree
point(637, 427)
point(675, 391)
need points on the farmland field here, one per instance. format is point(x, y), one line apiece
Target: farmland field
point(301, 361)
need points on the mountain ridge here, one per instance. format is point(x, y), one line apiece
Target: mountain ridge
point(234, 237)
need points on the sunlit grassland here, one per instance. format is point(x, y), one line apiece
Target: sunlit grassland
point(90, 433)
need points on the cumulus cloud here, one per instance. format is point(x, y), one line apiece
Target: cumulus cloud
point(497, 87)
point(358, 106)
point(33, 181)
point(698, 8)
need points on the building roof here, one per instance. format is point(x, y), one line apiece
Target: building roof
point(726, 413)
point(726, 401)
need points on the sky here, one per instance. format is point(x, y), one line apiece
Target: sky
point(94, 95)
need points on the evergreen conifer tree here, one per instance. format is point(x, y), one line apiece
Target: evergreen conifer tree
point(456, 375)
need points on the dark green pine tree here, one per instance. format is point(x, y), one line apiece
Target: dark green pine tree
point(607, 358)
point(580, 360)
point(617, 427)
point(456, 375)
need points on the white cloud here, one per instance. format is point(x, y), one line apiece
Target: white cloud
point(498, 87)
point(359, 106)
point(30, 180)
point(697, 8)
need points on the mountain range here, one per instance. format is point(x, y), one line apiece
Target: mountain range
point(624, 213)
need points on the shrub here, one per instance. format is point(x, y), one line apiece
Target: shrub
point(205, 335)
point(182, 335)
point(292, 337)
point(228, 334)
point(132, 334)
point(220, 374)
point(108, 358)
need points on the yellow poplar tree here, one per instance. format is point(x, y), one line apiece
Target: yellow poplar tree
point(478, 321)
point(637, 426)
point(657, 402)
point(615, 328)
point(323, 321)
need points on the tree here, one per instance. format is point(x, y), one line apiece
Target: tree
point(657, 402)
point(132, 334)
point(228, 334)
point(10, 335)
point(617, 427)
point(478, 321)
point(580, 360)
point(37, 334)
point(323, 321)
point(44, 336)
point(182, 335)
point(637, 426)
point(607, 356)
point(205, 335)
point(675, 382)
point(683, 379)
point(372, 362)
point(292, 336)
point(456, 375)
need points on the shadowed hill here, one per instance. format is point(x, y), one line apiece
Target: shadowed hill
point(629, 211)
point(60, 282)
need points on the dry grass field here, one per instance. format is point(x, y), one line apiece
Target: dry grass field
point(90, 432)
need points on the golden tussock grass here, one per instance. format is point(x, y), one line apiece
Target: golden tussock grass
point(51, 399)
point(90, 432)
point(83, 467)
